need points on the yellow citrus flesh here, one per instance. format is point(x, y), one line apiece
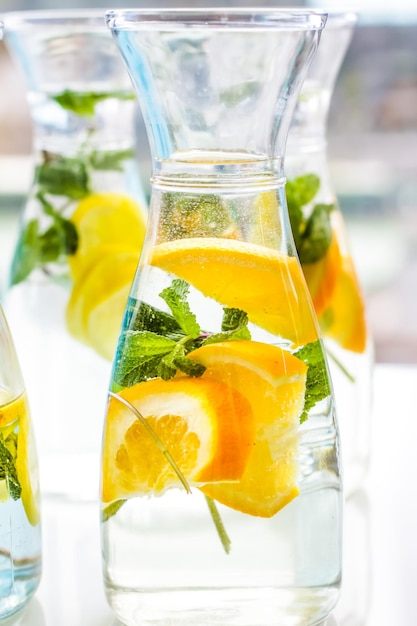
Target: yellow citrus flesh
point(97, 303)
point(105, 219)
point(265, 225)
point(267, 284)
point(273, 381)
point(14, 415)
point(206, 426)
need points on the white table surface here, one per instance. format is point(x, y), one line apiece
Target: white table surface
point(380, 571)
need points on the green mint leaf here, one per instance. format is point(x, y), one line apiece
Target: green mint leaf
point(147, 317)
point(317, 384)
point(302, 190)
point(234, 327)
point(234, 319)
point(8, 468)
point(299, 192)
point(176, 298)
point(189, 366)
point(60, 238)
point(63, 176)
point(110, 159)
point(141, 356)
point(317, 235)
point(27, 253)
point(83, 103)
point(143, 345)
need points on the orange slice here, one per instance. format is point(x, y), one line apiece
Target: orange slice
point(267, 284)
point(322, 276)
point(206, 426)
point(273, 381)
point(344, 319)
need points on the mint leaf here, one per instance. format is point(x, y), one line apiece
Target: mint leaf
point(83, 103)
point(302, 190)
point(27, 253)
point(317, 235)
point(110, 159)
point(234, 327)
point(312, 234)
point(176, 298)
point(317, 383)
point(63, 176)
point(140, 356)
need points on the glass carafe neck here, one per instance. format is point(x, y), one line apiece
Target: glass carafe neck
point(224, 81)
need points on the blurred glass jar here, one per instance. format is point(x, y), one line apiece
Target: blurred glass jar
point(322, 243)
point(80, 237)
point(20, 529)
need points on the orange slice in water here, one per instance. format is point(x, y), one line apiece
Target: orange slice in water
point(206, 427)
point(267, 284)
point(273, 381)
point(344, 319)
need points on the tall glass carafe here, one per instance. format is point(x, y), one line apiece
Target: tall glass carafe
point(322, 243)
point(81, 234)
point(220, 489)
point(20, 525)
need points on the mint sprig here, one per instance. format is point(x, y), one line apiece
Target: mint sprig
point(157, 343)
point(63, 180)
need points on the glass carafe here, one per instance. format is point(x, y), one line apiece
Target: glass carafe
point(81, 234)
point(323, 248)
point(220, 488)
point(20, 527)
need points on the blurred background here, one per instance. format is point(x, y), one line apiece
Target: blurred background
point(372, 152)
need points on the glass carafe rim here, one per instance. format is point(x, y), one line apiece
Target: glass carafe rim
point(340, 19)
point(53, 17)
point(280, 18)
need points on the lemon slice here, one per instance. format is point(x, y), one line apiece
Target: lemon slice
point(267, 284)
point(14, 415)
point(105, 219)
point(97, 303)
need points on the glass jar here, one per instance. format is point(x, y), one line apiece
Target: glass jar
point(20, 515)
point(323, 248)
point(220, 486)
point(81, 234)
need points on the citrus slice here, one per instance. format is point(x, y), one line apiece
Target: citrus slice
point(344, 319)
point(205, 425)
point(265, 224)
point(322, 276)
point(105, 219)
point(267, 284)
point(273, 381)
point(97, 303)
point(27, 467)
point(14, 416)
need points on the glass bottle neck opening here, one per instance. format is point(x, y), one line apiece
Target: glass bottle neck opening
point(218, 168)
